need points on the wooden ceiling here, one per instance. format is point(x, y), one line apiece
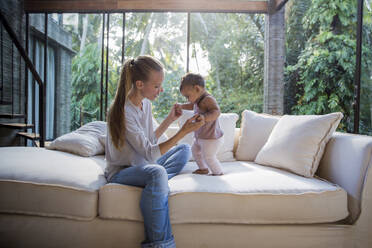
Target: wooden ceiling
point(66, 6)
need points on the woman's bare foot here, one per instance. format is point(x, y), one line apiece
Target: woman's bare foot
point(201, 171)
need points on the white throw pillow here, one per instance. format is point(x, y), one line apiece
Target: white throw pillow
point(255, 130)
point(88, 140)
point(227, 123)
point(297, 143)
point(164, 136)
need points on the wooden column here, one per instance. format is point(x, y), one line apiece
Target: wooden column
point(274, 63)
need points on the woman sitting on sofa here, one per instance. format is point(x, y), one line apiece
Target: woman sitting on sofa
point(133, 154)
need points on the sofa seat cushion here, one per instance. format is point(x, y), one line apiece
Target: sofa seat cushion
point(247, 193)
point(44, 182)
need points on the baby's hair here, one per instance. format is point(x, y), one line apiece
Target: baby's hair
point(192, 79)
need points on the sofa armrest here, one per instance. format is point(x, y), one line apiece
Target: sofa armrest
point(346, 161)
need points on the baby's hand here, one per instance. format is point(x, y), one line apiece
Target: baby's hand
point(177, 110)
point(200, 117)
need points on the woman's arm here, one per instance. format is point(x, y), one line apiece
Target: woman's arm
point(192, 124)
point(172, 116)
point(142, 145)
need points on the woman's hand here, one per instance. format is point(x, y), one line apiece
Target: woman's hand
point(175, 112)
point(193, 124)
point(173, 115)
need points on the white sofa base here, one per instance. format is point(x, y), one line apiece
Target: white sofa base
point(347, 162)
point(34, 231)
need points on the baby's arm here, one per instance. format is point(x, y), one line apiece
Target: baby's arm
point(213, 110)
point(187, 106)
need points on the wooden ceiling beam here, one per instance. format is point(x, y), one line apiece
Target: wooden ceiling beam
point(195, 5)
point(66, 6)
point(58, 6)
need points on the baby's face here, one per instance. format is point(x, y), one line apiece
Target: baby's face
point(191, 93)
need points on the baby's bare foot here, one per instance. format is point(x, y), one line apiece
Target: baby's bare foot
point(201, 171)
point(212, 174)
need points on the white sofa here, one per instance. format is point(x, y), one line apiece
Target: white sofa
point(56, 199)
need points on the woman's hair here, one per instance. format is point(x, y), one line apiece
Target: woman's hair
point(132, 71)
point(192, 79)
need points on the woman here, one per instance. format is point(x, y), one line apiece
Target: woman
point(132, 153)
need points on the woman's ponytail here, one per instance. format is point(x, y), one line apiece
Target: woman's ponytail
point(116, 113)
point(132, 71)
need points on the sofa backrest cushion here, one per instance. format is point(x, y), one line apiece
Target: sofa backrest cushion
point(254, 132)
point(227, 123)
point(297, 143)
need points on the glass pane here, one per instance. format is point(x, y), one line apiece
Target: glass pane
point(85, 32)
point(228, 50)
point(164, 36)
point(320, 59)
point(365, 124)
point(36, 53)
point(115, 53)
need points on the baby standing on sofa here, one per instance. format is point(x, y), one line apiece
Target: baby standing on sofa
point(208, 139)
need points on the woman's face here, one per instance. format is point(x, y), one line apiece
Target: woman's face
point(152, 88)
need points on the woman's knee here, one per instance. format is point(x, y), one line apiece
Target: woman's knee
point(156, 171)
point(157, 174)
point(185, 149)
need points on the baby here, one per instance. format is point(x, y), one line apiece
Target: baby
point(208, 138)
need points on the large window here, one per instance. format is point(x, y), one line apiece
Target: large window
point(227, 49)
point(86, 70)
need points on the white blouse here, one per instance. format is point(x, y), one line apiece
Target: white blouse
point(140, 147)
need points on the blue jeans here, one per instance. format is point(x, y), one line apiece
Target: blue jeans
point(153, 178)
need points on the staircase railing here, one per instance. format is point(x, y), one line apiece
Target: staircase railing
point(36, 75)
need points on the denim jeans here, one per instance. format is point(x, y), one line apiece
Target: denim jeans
point(153, 178)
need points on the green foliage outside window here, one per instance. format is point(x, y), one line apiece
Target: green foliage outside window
point(325, 67)
point(228, 49)
point(85, 87)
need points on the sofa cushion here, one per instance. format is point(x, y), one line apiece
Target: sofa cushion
point(44, 182)
point(255, 130)
point(88, 140)
point(227, 123)
point(247, 193)
point(297, 142)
